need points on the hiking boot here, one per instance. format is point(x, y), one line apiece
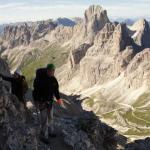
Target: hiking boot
point(44, 139)
point(53, 135)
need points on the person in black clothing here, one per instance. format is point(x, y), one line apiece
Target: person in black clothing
point(45, 89)
point(18, 85)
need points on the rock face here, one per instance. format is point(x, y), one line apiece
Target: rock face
point(4, 67)
point(139, 145)
point(111, 49)
point(41, 29)
point(95, 20)
point(142, 33)
point(138, 73)
point(14, 133)
point(77, 54)
point(95, 67)
point(87, 133)
point(18, 35)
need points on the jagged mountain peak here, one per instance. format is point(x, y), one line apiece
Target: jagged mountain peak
point(95, 9)
point(140, 24)
point(95, 19)
point(141, 33)
point(96, 12)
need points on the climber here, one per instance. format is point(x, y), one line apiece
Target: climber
point(45, 89)
point(19, 85)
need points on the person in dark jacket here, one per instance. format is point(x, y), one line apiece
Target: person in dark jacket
point(45, 89)
point(18, 85)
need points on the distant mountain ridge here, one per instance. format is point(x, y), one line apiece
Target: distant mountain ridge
point(59, 21)
point(65, 22)
point(1, 29)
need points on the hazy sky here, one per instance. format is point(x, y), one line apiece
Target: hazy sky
point(26, 10)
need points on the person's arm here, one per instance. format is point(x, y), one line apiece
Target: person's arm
point(24, 85)
point(56, 92)
point(6, 78)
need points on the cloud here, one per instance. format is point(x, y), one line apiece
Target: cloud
point(10, 5)
point(44, 9)
point(142, 1)
point(60, 6)
point(25, 12)
point(125, 10)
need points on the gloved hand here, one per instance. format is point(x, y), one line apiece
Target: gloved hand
point(59, 101)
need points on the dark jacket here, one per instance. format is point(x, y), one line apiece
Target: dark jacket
point(45, 87)
point(18, 85)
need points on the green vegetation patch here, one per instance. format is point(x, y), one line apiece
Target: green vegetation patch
point(109, 115)
point(142, 100)
point(89, 102)
point(53, 54)
point(143, 114)
point(132, 118)
point(138, 132)
point(30, 57)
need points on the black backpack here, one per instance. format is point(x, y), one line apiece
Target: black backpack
point(24, 85)
point(40, 75)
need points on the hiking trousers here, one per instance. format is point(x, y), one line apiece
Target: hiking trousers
point(46, 121)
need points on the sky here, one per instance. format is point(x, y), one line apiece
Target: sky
point(33, 10)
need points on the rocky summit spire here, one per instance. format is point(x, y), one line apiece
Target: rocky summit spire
point(95, 19)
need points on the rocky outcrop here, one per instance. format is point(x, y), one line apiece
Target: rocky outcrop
point(24, 34)
point(111, 40)
point(139, 145)
point(111, 49)
point(142, 33)
point(41, 29)
point(103, 60)
point(77, 54)
point(14, 133)
point(138, 71)
point(16, 35)
point(60, 35)
point(95, 20)
point(4, 67)
point(88, 133)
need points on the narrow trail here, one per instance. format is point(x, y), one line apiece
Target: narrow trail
point(70, 109)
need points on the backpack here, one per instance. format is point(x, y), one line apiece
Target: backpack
point(40, 74)
point(24, 85)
